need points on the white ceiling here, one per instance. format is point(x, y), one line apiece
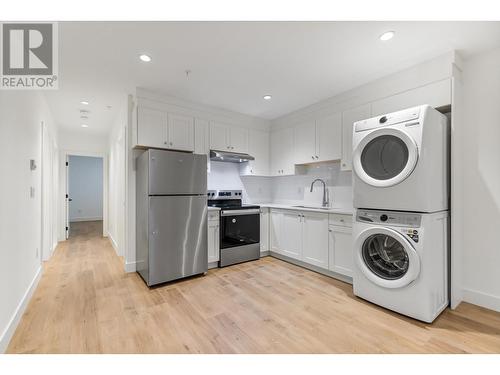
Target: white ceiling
point(233, 64)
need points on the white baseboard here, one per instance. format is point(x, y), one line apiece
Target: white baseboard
point(113, 243)
point(75, 219)
point(18, 313)
point(130, 267)
point(482, 299)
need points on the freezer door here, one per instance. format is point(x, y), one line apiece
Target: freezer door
point(181, 173)
point(177, 237)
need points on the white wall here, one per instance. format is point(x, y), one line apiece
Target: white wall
point(481, 177)
point(21, 117)
point(226, 176)
point(85, 184)
point(117, 180)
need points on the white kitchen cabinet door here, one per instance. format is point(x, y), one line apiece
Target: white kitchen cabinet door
point(275, 231)
point(291, 231)
point(201, 139)
point(180, 132)
point(349, 117)
point(329, 138)
point(219, 137)
point(238, 140)
point(258, 147)
point(304, 142)
point(282, 152)
point(213, 241)
point(315, 239)
point(264, 229)
point(340, 250)
point(151, 127)
point(436, 94)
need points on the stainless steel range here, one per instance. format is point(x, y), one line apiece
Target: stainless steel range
point(239, 227)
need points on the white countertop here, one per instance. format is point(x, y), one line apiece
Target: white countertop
point(332, 210)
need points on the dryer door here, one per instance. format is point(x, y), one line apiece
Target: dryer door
point(385, 157)
point(386, 257)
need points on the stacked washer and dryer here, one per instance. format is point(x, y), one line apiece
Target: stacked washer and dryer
point(401, 195)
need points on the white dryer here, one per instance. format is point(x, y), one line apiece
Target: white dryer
point(400, 161)
point(401, 261)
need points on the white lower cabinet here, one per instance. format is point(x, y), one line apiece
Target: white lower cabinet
point(213, 237)
point(291, 228)
point(264, 229)
point(340, 257)
point(315, 239)
point(300, 235)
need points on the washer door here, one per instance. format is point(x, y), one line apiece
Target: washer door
point(385, 157)
point(386, 257)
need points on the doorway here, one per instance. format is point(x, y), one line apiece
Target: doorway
point(84, 195)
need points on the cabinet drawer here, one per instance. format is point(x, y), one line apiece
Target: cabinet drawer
point(341, 220)
point(213, 215)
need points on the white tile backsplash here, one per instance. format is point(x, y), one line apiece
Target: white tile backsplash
point(286, 189)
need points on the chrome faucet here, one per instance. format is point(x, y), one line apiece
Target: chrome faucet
point(326, 195)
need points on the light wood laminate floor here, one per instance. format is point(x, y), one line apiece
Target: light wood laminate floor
point(86, 303)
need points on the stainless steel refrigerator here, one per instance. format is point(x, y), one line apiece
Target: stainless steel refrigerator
point(171, 215)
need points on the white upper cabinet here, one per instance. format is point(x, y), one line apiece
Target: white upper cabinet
point(151, 127)
point(304, 139)
point(156, 128)
point(238, 140)
point(319, 140)
point(436, 94)
point(201, 140)
point(180, 134)
point(349, 117)
point(329, 137)
point(219, 137)
point(282, 152)
point(258, 147)
point(315, 239)
point(228, 138)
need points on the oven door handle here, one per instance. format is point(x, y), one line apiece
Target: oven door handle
point(254, 211)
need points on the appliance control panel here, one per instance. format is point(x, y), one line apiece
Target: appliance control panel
point(411, 116)
point(224, 194)
point(396, 218)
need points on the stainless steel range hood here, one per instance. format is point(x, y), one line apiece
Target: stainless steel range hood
point(230, 157)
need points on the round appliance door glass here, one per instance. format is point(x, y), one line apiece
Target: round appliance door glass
point(384, 157)
point(385, 256)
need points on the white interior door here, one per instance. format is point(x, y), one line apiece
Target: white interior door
point(68, 199)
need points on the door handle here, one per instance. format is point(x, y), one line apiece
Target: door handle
point(70, 199)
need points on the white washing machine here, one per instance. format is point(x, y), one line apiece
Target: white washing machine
point(400, 161)
point(401, 261)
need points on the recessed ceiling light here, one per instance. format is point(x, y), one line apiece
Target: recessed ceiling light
point(145, 58)
point(267, 97)
point(84, 102)
point(85, 126)
point(387, 35)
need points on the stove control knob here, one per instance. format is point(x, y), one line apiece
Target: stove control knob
point(383, 217)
